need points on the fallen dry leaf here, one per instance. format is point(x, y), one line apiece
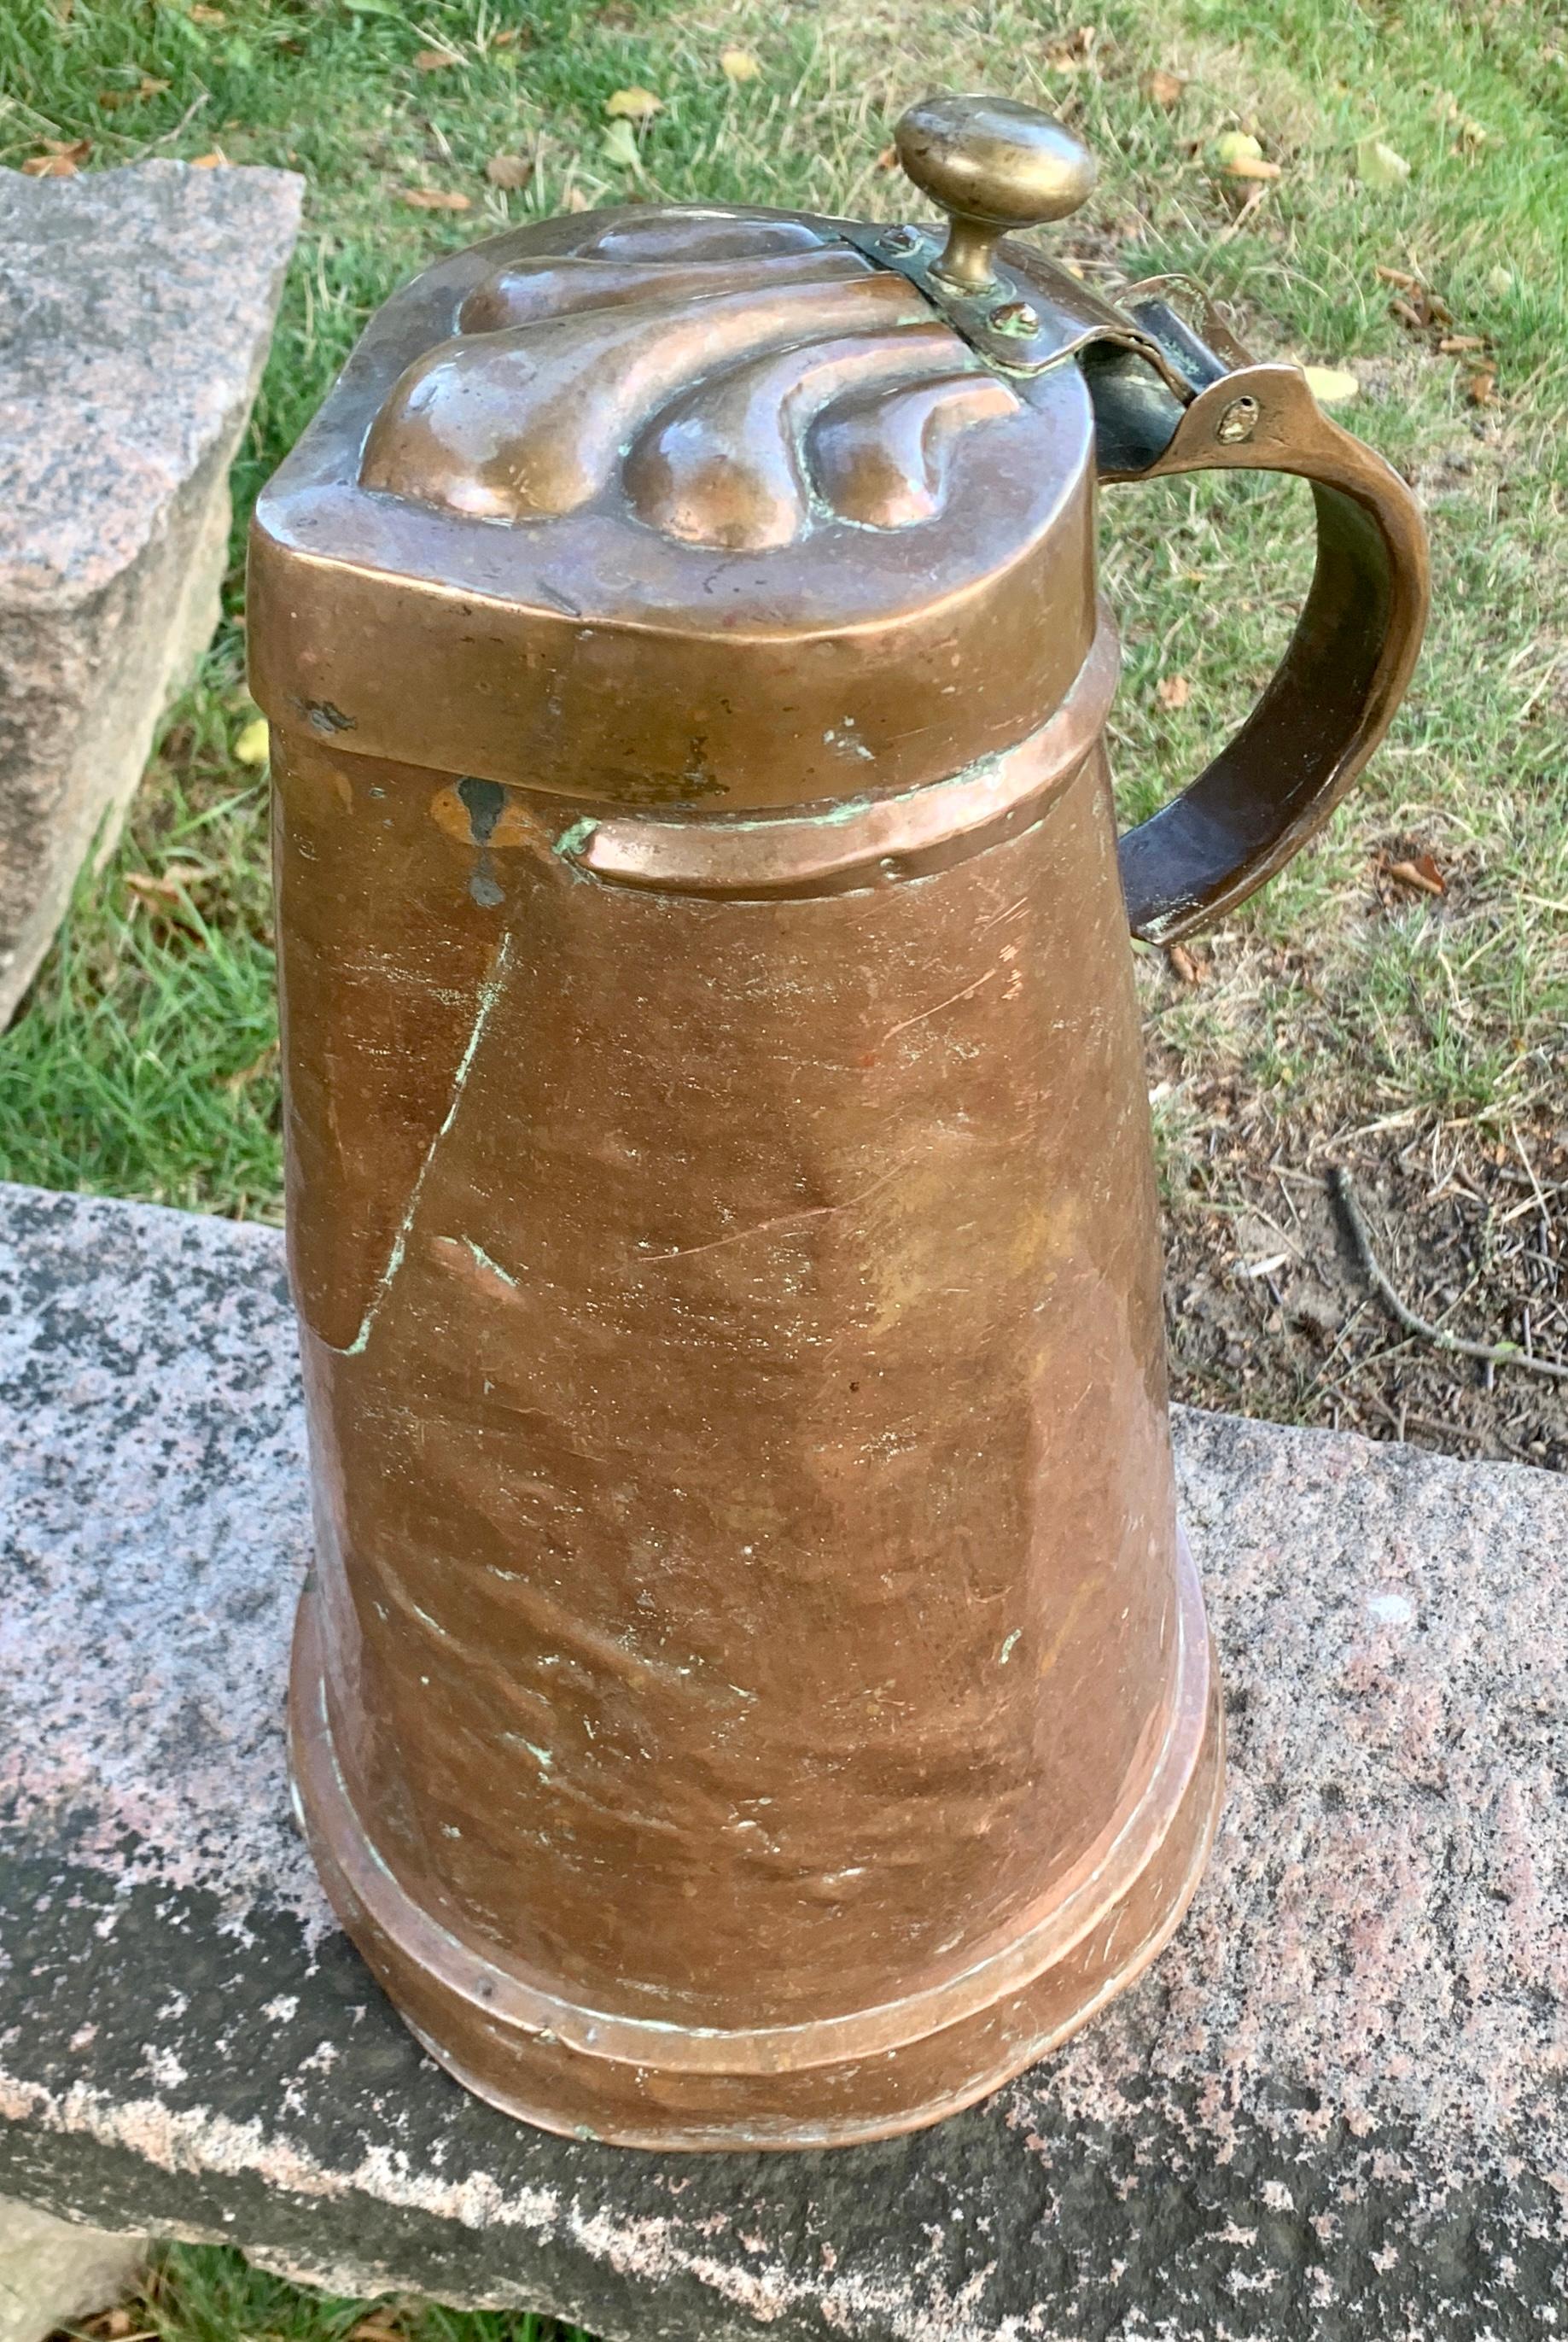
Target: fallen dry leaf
point(1187, 969)
point(887, 160)
point(1424, 308)
point(1173, 691)
point(1424, 313)
point(576, 201)
point(509, 171)
point(1422, 874)
point(1252, 166)
point(633, 105)
point(171, 885)
point(1379, 164)
point(216, 161)
point(1332, 385)
point(75, 150)
point(236, 1084)
point(504, 40)
point(739, 65)
point(1452, 343)
point(1162, 87)
point(1400, 277)
point(252, 742)
point(1470, 133)
point(621, 145)
point(1481, 389)
point(434, 60)
point(148, 86)
point(436, 199)
point(49, 166)
point(1076, 53)
point(198, 14)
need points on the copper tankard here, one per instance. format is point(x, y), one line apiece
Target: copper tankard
point(752, 1691)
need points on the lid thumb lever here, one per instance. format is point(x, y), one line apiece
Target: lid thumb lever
point(992, 166)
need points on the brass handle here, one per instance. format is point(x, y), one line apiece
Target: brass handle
point(1334, 692)
point(990, 165)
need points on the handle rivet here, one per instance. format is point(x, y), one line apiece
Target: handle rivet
point(1014, 317)
point(1238, 422)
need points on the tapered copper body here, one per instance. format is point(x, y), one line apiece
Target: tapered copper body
point(751, 1691)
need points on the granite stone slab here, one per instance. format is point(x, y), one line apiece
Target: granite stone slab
point(53, 2271)
point(1334, 2109)
point(137, 308)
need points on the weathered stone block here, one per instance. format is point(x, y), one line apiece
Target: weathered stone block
point(1334, 2109)
point(135, 311)
point(52, 2271)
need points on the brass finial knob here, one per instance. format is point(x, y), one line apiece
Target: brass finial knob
point(992, 166)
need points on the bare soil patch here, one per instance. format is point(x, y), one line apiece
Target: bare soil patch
point(1270, 1311)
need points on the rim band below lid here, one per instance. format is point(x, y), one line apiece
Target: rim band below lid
point(834, 848)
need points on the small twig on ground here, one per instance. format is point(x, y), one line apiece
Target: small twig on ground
point(1243, 218)
point(1491, 1354)
point(167, 138)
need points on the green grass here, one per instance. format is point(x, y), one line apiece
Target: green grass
point(145, 1061)
point(208, 2293)
point(142, 1063)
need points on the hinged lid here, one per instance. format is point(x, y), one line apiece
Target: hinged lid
point(705, 507)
